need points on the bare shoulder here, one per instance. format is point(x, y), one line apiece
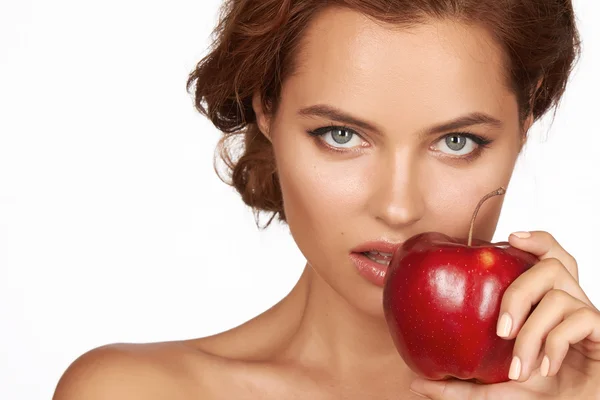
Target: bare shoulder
point(238, 363)
point(134, 371)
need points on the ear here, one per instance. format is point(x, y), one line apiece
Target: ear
point(529, 120)
point(263, 119)
point(525, 130)
point(527, 125)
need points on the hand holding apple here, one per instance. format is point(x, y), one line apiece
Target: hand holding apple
point(442, 299)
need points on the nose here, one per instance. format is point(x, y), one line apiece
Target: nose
point(397, 199)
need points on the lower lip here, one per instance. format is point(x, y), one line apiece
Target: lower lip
point(369, 269)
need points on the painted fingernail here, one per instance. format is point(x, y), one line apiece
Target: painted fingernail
point(545, 367)
point(515, 369)
point(522, 235)
point(419, 394)
point(418, 386)
point(504, 325)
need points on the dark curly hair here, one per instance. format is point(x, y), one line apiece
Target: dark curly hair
point(255, 41)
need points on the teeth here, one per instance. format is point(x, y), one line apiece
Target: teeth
point(371, 256)
point(374, 253)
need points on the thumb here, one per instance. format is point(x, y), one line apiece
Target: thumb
point(455, 389)
point(447, 390)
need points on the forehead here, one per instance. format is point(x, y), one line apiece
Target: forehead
point(434, 70)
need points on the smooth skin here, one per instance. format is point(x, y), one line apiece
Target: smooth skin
point(388, 181)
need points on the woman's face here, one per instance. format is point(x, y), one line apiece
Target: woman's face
point(385, 133)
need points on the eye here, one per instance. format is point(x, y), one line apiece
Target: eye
point(338, 137)
point(460, 144)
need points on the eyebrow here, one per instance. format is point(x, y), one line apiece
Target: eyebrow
point(335, 114)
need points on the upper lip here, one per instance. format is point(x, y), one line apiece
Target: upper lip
point(382, 246)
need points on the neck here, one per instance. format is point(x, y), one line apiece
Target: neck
point(335, 336)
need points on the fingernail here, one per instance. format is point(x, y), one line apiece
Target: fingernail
point(515, 369)
point(522, 235)
point(504, 325)
point(419, 394)
point(418, 386)
point(545, 367)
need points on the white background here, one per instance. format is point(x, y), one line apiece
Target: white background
point(113, 225)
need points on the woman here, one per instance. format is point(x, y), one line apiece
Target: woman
point(366, 122)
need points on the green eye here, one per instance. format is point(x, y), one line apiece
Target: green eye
point(456, 142)
point(460, 144)
point(341, 136)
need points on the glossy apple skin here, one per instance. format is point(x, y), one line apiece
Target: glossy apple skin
point(441, 301)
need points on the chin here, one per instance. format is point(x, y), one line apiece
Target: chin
point(368, 299)
point(363, 296)
point(346, 283)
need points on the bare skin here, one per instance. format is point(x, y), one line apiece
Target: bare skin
point(328, 339)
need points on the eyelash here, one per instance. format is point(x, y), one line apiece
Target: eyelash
point(481, 141)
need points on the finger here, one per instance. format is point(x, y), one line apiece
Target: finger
point(581, 325)
point(555, 306)
point(446, 390)
point(529, 288)
point(461, 390)
point(544, 245)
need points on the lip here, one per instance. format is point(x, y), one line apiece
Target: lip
point(381, 246)
point(369, 269)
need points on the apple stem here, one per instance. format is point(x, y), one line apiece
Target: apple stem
point(496, 192)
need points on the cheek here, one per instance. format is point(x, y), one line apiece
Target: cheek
point(453, 195)
point(322, 196)
point(319, 193)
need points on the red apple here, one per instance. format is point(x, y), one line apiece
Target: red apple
point(441, 301)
